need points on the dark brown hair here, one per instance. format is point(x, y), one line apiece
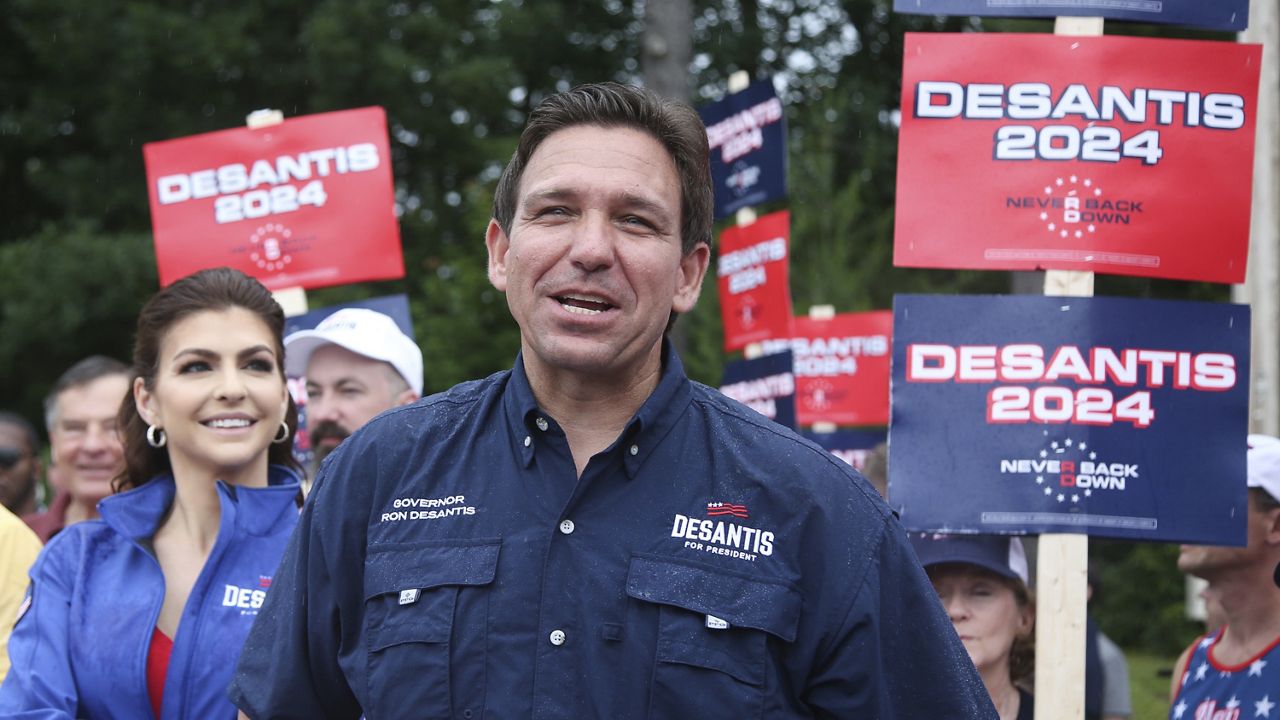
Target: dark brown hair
point(672, 123)
point(208, 290)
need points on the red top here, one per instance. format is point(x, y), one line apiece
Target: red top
point(158, 668)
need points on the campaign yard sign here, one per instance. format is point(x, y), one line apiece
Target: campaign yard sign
point(1107, 416)
point(842, 367)
point(754, 281)
point(1121, 155)
point(765, 384)
point(308, 202)
point(747, 132)
point(1215, 15)
point(851, 446)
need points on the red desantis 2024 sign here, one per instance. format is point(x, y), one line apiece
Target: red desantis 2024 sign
point(755, 289)
point(842, 368)
point(1130, 156)
point(308, 202)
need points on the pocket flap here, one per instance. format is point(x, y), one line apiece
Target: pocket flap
point(423, 566)
point(760, 604)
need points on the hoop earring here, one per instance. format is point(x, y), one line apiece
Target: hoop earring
point(156, 437)
point(284, 433)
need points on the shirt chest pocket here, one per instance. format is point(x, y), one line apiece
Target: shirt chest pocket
point(712, 658)
point(426, 616)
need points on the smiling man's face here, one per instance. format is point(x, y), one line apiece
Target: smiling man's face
point(593, 265)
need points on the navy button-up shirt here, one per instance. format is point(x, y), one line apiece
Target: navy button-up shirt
point(708, 564)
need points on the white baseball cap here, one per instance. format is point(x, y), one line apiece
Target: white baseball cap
point(363, 332)
point(1264, 464)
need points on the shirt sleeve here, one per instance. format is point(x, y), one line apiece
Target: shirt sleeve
point(1115, 670)
point(40, 684)
point(292, 663)
point(19, 548)
point(896, 653)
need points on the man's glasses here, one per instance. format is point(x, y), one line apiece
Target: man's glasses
point(10, 457)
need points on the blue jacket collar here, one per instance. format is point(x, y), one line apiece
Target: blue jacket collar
point(137, 513)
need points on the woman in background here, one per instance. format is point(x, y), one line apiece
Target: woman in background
point(142, 613)
point(982, 582)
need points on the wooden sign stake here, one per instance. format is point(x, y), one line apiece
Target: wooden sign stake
point(1062, 563)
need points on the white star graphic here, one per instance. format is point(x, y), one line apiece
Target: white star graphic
point(1054, 444)
point(1075, 498)
point(1262, 708)
point(1044, 216)
point(1073, 178)
point(1063, 233)
point(1083, 447)
point(1179, 709)
point(1061, 497)
point(1048, 491)
point(1093, 228)
point(1048, 190)
point(1233, 703)
point(1200, 671)
point(1093, 456)
point(1044, 453)
point(1068, 442)
point(1087, 182)
point(1222, 674)
point(1039, 479)
point(1206, 642)
point(1058, 181)
point(1255, 668)
point(1097, 192)
point(1088, 492)
point(1052, 227)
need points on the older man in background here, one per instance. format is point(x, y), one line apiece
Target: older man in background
point(80, 414)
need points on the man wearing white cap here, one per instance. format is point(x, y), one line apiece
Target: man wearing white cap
point(357, 364)
point(1234, 672)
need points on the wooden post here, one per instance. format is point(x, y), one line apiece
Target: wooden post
point(1062, 562)
point(292, 299)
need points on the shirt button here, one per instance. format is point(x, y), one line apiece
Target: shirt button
point(528, 441)
point(542, 423)
point(635, 449)
point(566, 527)
point(557, 637)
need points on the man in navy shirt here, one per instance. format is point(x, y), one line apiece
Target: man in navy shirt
point(591, 534)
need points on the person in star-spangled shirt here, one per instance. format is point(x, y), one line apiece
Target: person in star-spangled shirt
point(1234, 672)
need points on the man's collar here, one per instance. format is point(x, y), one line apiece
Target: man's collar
point(655, 418)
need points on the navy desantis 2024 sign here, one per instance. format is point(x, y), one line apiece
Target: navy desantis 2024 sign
point(764, 384)
point(1106, 416)
point(1108, 154)
point(1211, 15)
point(747, 132)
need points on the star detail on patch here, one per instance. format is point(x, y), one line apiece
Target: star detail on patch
point(1179, 709)
point(1255, 668)
point(1200, 671)
point(1262, 708)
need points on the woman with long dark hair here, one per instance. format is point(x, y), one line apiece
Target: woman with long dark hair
point(143, 612)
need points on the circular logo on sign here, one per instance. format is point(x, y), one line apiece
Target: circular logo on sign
point(267, 247)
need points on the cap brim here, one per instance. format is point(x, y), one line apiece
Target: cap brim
point(298, 348)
